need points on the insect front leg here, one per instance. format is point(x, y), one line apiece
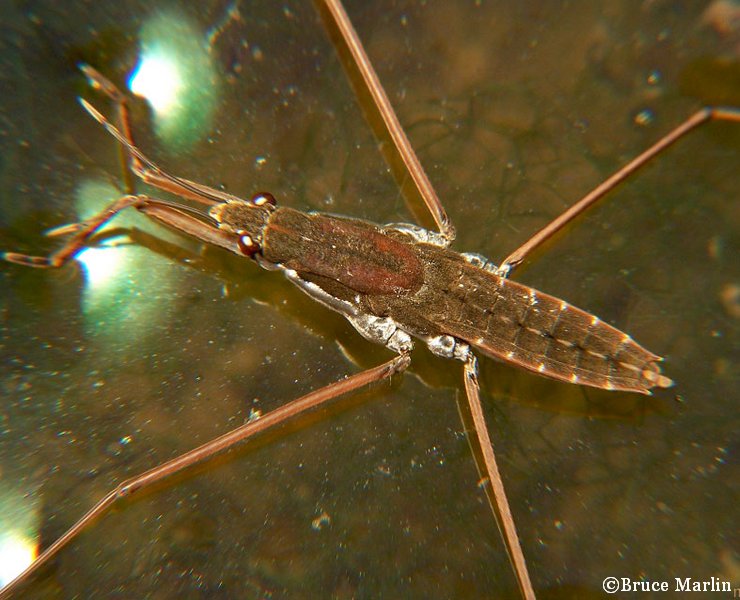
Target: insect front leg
point(151, 173)
point(140, 165)
point(171, 215)
point(82, 233)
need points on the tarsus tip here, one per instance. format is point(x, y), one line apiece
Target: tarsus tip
point(91, 109)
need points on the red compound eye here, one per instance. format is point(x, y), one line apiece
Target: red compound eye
point(248, 246)
point(262, 198)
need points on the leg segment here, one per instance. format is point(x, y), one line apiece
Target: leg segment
point(98, 82)
point(141, 166)
point(82, 233)
point(150, 173)
point(390, 120)
point(175, 216)
point(201, 453)
point(501, 508)
point(705, 114)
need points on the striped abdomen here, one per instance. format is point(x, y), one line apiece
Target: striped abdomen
point(541, 333)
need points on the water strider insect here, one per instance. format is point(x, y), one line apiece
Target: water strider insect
point(348, 433)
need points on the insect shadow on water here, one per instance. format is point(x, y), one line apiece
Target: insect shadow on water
point(246, 244)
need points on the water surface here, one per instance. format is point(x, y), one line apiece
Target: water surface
point(516, 110)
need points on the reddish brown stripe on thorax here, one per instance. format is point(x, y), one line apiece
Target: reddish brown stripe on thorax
point(352, 252)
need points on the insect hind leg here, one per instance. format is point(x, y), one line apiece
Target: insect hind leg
point(704, 115)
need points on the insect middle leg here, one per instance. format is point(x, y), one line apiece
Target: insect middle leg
point(393, 127)
point(144, 480)
point(499, 503)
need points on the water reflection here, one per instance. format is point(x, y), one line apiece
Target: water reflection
point(100, 264)
point(157, 79)
point(20, 519)
point(177, 76)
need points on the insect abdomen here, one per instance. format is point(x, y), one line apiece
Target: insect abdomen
point(544, 334)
